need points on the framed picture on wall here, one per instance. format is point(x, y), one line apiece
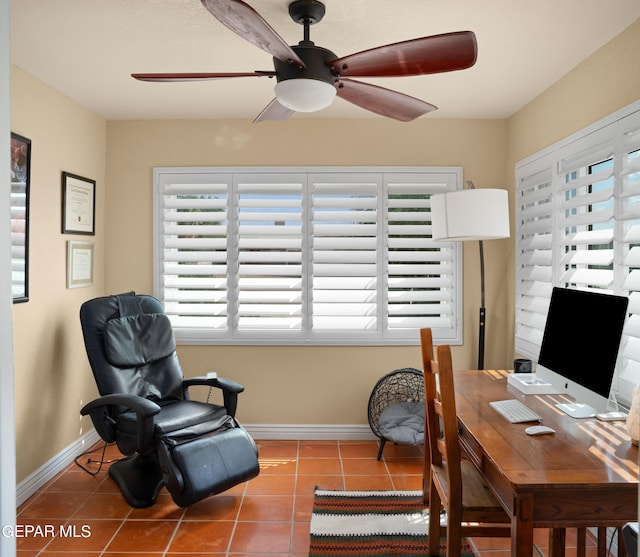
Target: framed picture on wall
point(78, 204)
point(79, 264)
point(20, 178)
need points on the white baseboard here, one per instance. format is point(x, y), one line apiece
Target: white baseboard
point(317, 432)
point(48, 471)
point(27, 487)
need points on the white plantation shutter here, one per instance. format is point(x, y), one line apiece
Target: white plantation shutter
point(421, 278)
point(534, 249)
point(630, 248)
point(585, 220)
point(191, 253)
point(269, 257)
point(296, 255)
point(344, 252)
point(18, 238)
point(590, 239)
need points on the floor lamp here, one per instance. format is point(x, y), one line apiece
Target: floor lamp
point(472, 214)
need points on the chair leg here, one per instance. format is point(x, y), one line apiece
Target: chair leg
point(382, 443)
point(454, 535)
point(435, 505)
point(139, 479)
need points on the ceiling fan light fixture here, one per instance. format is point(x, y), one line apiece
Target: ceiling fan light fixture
point(305, 95)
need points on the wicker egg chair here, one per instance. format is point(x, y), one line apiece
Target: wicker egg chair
point(396, 408)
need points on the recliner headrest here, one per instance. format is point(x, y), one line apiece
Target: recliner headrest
point(137, 340)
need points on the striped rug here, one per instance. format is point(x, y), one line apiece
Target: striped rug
point(371, 524)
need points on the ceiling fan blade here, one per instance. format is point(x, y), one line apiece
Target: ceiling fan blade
point(274, 111)
point(434, 54)
point(385, 102)
point(196, 76)
point(243, 20)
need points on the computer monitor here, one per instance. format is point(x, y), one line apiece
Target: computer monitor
point(580, 347)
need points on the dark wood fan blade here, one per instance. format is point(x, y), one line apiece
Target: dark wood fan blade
point(435, 54)
point(274, 111)
point(243, 20)
point(383, 101)
point(196, 76)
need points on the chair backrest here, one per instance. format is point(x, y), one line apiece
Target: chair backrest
point(442, 422)
point(130, 347)
point(426, 345)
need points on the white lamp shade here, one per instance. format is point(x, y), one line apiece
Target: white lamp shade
point(473, 214)
point(305, 95)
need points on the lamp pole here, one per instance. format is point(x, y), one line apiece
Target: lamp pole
point(483, 312)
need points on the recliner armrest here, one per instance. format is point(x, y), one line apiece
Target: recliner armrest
point(144, 408)
point(230, 390)
point(220, 382)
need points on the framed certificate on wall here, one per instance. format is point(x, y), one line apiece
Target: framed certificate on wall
point(79, 264)
point(78, 204)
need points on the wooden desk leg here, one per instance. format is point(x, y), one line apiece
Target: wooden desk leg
point(522, 526)
point(581, 543)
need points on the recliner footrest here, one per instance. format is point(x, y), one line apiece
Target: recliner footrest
point(198, 468)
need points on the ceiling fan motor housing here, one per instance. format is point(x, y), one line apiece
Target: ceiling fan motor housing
point(315, 58)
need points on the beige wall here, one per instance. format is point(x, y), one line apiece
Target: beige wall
point(301, 385)
point(605, 82)
point(52, 377)
point(284, 385)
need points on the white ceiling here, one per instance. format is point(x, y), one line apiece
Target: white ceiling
point(87, 49)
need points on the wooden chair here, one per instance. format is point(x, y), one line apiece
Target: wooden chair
point(453, 484)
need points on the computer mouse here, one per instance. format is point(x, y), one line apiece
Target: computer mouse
point(539, 430)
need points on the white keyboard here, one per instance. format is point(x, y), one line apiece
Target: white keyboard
point(514, 411)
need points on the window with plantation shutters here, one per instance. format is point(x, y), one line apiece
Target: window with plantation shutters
point(534, 253)
point(630, 254)
point(590, 238)
point(304, 255)
point(585, 216)
point(344, 253)
point(191, 244)
point(421, 274)
point(268, 260)
point(19, 238)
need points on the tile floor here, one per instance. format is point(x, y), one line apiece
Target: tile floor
point(268, 516)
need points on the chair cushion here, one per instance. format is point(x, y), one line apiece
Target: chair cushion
point(403, 423)
point(137, 340)
point(178, 419)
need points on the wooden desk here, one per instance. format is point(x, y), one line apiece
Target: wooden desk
point(586, 474)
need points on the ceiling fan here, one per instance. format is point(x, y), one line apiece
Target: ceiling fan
point(309, 77)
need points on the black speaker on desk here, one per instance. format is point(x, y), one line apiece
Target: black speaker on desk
point(630, 535)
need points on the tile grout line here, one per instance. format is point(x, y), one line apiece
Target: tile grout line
point(295, 495)
point(236, 520)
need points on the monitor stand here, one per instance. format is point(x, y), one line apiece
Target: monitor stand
point(577, 410)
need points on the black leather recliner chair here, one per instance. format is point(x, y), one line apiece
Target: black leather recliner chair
point(195, 449)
